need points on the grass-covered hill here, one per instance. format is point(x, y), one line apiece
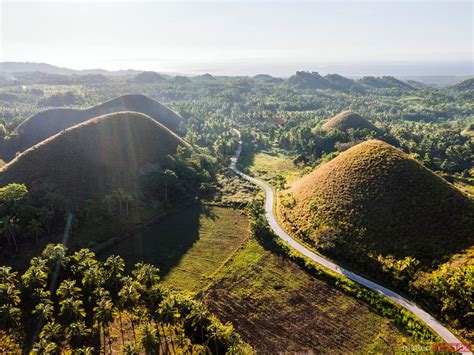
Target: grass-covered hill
point(307, 80)
point(47, 123)
point(313, 80)
point(206, 77)
point(374, 200)
point(344, 83)
point(347, 120)
point(266, 78)
point(384, 82)
point(90, 159)
point(148, 77)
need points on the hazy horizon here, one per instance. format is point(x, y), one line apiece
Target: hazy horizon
point(243, 38)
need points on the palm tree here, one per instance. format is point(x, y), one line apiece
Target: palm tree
point(108, 200)
point(104, 315)
point(9, 312)
point(45, 347)
point(114, 268)
point(9, 294)
point(71, 311)
point(68, 290)
point(170, 178)
point(44, 311)
point(213, 336)
point(52, 332)
point(82, 260)
point(9, 317)
point(9, 228)
point(78, 333)
point(71, 306)
point(7, 275)
point(199, 319)
point(118, 194)
point(146, 275)
point(34, 229)
point(46, 217)
point(127, 198)
point(129, 298)
point(169, 315)
point(130, 348)
point(87, 350)
point(36, 276)
point(222, 335)
point(152, 300)
point(148, 339)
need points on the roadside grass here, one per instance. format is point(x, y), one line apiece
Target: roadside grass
point(277, 306)
point(187, 247)
point(271, 166)
point(233, 191)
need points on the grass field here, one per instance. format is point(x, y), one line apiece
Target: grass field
point(189, 246)
point(269, 165)
point(277, 306)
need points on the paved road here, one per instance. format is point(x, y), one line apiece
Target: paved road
point(437, 327)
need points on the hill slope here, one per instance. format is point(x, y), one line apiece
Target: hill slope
point(344, 83)
point(148, 77)
point(464, 85)
point(374, 199)
point(384, 82)
point(346, 120)
point(47, 123)
point(94, 157)
point(307, 80)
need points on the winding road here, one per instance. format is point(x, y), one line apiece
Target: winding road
point(436, 326)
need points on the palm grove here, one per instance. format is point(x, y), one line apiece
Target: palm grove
point(72, 302)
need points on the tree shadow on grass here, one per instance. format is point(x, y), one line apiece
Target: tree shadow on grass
point(246, 159)
point(163, 244)
point(209, 213)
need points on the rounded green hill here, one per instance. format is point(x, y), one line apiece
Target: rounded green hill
point(374, 199)
point(94, 157)
point(47, 123)
point(348, 120)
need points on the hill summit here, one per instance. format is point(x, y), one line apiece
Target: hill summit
point(307, 80)
point(47, 123)
point(375, 200)
point(346, 120)
point(149, 77)
point(384, 82)
point(94, 157)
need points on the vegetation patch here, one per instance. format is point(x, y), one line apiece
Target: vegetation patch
point(189, 246)
point(68, 303)
point(277, 306)
point(275, 167)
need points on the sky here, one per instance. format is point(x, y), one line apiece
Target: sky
point(247, 37)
